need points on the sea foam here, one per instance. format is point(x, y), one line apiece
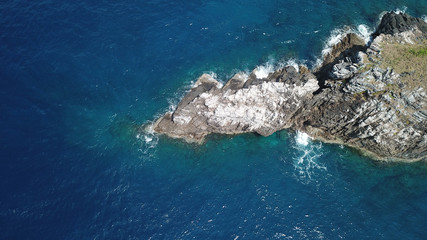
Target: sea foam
point(338, 34)
point(302, 138)
point(362, 30)
point(306, 161)
point(148, 140)
point(291, 62)
point(264, 70)
point(399, 11)
point(365, 32)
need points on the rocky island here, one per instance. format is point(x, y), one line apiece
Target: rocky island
point(368, 96)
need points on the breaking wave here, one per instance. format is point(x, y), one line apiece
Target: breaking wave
point(362, 30)
point(302, 138)
point(337, 34)
point(148, 140)
point(263, 70)
point(403, 10)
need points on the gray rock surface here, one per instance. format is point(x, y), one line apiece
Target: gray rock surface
point(344, 69)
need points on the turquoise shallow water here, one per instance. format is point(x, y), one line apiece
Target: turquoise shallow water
point(77, 80)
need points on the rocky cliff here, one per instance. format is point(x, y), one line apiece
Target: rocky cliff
point(372, 97)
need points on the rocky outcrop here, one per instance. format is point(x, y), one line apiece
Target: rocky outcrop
point(346, 47)
point(356, 97)
point(242, 105)
point(338, 62)
point(392, 23)
point(367, 115)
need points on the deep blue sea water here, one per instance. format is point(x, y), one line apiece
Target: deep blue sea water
point(78, 78)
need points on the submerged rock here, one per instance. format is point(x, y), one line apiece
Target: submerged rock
point(356, 97)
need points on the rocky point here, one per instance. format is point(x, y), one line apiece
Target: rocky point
point(368, 96)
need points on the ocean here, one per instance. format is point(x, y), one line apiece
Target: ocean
point(78, 79)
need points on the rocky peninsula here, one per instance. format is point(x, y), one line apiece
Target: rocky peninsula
point(368, 96)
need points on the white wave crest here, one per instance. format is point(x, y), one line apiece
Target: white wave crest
point(172, 104)
point(362, 30)
point(271, 66)
point(287, 41)
point(212, 74)
point(334, 38)
point(399, 11)
point(302, 138)
point(291, 62)
point(365, 32)
point(424, 18)
point(264, 70)
point(148, 140)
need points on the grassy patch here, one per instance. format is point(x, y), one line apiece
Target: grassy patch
point(419, 52)
point(366, 67)
point(407, 58)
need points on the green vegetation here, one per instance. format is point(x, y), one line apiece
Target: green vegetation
point(419, 52)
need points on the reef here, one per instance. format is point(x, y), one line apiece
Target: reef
point(368, 96)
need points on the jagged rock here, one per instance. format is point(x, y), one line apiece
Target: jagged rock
point(236, 82)
point(344, 69)
point(350, 41)
point(392, 23)
point(348, 47)
point(367, 123)
point(263, 107)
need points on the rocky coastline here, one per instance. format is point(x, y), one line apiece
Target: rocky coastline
point(368, 96)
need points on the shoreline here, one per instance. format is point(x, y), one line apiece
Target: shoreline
point(367, 153)
point(361, 151)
